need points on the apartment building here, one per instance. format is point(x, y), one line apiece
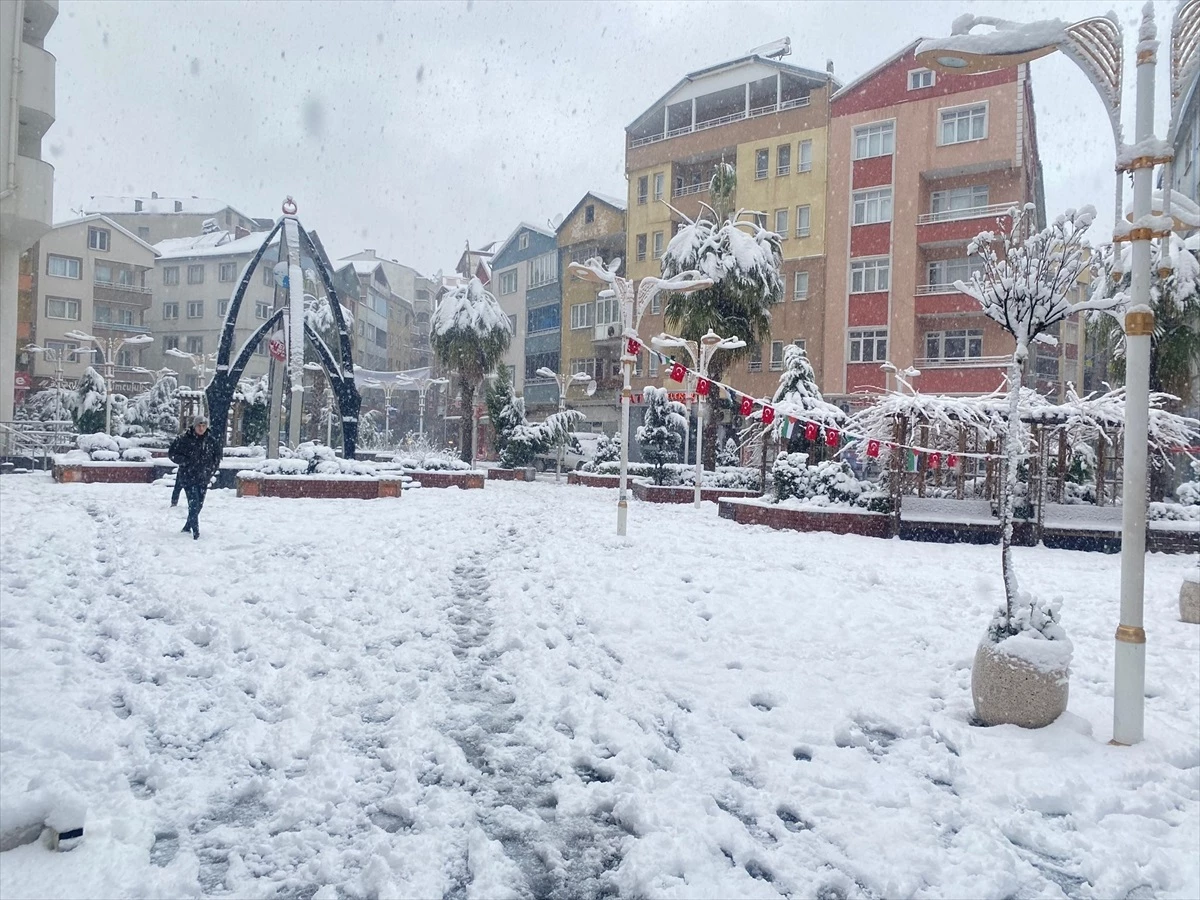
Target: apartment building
point(194, 280)
point(477, 263)
point(919, 163)
point(408, 318)
point(591, 326)
point(94, 277)
point(1185, 169)
point(27, 193)
point(156, 218)
point(373, 298)
point(768, 119)
point(525, 282)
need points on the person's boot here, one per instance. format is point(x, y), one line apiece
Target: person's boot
point(196, 532)
point(187, 526)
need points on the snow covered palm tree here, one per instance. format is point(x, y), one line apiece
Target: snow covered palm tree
point(470, 334)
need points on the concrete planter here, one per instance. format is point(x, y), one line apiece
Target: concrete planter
point(653, 493)
point(1189, 601)
point(526, 474)
point(591, 479)
point(755, 512)
point(462, 478)
point(1010, 691)
point(310, 487)
point(105, 472)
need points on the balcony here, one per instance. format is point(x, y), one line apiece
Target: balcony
point(926, 290)
point(26, 214)
point(973, 362)
point(37, 91)
point(689, 189)
point(134, 295)
point(704, 125)
point(956, 226)
point(973, 212)
point(120, 327)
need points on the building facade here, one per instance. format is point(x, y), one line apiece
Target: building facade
point(919, 164)
point(525, 282)
point(768, 119)
point(27, 192)
point(591, 326)
point(156, 218)
point(93, 277)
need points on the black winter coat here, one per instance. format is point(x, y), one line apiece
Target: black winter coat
point(197, 457)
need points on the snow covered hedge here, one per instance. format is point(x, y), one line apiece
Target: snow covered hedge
point(829, 483)
point(101, 447)
point(314, 459)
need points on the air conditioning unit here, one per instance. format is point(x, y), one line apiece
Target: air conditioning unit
point(612, 330)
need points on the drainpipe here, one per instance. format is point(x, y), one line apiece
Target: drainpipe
point(14, 103)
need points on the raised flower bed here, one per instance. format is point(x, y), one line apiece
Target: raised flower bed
point(315, 472)
point(524, 474)
point(467, 479)
point(654, 493)
point(592, 479)
point(101, 459)
point(844, 520)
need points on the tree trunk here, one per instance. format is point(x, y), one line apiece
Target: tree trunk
point(467, 426)
point(1008, 487)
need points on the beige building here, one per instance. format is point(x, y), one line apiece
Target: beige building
point(93, 277)
point(27, 192)
point(156, 218)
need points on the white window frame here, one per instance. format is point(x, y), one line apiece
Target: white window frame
point(224, 267)
point(754, 364)
point(659, 244)
point(508, 282)
point(783, 160)
point(74, 264)
point(781, 222)
point(802, 344)
point(948, 197)
point(607, 311)
point(652, 367)
point(268, 276)
point(762, 171)
point(969, 337)
point(803, 215)
point(523, 242)
point(776, 358)
point(194, 343)
point(643, 190)
point(870, 275)
point(222, 306)
point(104, 267)
point(862, 202)
point(917, 76)
point(804, 159)
point(171, 342)
point(583, 315)
point(584, 365)
point(639, 244)
point(885, 131)
point(170, 275)
point(191, 269)
point(170, 310)
point(957, 112)
point(860, 339)
point(800, 286)
point(66, 308)
point(195, 309)
point(659, 182)
point(938, 271)
point(99, 239)
point(542, 269)
point(262, 311)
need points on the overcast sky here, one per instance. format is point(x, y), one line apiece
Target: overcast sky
point(413, 127)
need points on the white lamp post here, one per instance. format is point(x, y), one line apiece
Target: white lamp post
point(564, 383)
point(632, 304)
point(56, 356)
point(200, 361)
point(1095, 45)
point(109, 348)
point(709, 344)
point(423, 385)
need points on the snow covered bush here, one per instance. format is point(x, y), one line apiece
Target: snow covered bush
point(313, 459)
point(136, 454)
point(608, 450)
point(743, 478)
point(1173, 512)
point(88, 402)
point(729, 455)
point(154, 410)
point(50, 405)
point(828, 483)
point(635, 470)
point(101, 447)
point(660, 436)
point(517, 440)
point(789, 475)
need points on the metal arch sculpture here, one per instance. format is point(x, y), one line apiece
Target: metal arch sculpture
point(225, 380)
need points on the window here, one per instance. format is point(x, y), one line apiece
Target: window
point(124, 316)
point(606, 310)
point(944, 204)
point(868, 345)
point(760, 219)
point(956, 344)
point(781, 226)
point(262, 348)
point(755, 363)
point(869, 275)
point(539, 361)
point(262, 312)
point(803, 220)
point(967, 123)
point(268, 276)
point(195, 309)
point(523, 242)
point(804, 164)
point(643, 191)
point(874, 206)
point(641, 247)
point(195, 274)
point(170, 274)
point(584, 367)
point(920, 78)
point(658, 185)
point(656, 304)
point(583, 315)
point(98, 239)
point(102, 273)
point(589, 214)
point(948, 271)
point(170, 341)
point(102, 314)
point(64, 267)
point(226, 272)
point(783, 159)
point(194, 344)
point(62, 308)
point(776, 356)
point(874, 140)
point(800, 342)
point(128, 277)
point(800, 286)
point(653, 370)
point(542, 318)
point(144, 233)
point(762, 161)
point(508, 282)
point(543, 269)
point(658, 245)
point(223, 307)
point(170, 310)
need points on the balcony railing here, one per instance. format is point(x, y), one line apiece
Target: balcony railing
point(925, 290)
point(685, 190)
point(721, 120)
point(971, 362)
point(119, 286)
point(118, 326)
point(971, 212)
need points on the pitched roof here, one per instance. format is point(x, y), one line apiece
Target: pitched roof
point(181, 248)
point(522, 225)
point(603, 199)
point(98, 217)
point(195, 206)
point(872, 72)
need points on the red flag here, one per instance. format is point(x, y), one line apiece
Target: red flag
point(746, 407)
point(768, 415)
point(678, 372)
point(872, 449)
point(811, 431)
point(935, 460)
point(831, 437)
point(702, 387)
point(633, 346)
point(952, 461)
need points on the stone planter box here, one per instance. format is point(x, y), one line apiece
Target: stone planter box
point(526, 474)
point(1189, 601)
point(752, 512)
point(1011, 691)
point(318, 487)
point(590, 479)
point(465, 479)
point(106, 472)
point(653, 493)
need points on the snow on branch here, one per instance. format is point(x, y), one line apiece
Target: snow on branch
point(470, 308)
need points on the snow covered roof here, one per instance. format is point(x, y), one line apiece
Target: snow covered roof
point(523, 225)
point(365, 266)
point(159, 205)
point(608, 201)
point(195, 242)
point(179, 248)
point(98, 217)
point(618, 203)
point(875, 70)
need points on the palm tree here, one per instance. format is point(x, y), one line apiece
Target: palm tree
point(470, 334)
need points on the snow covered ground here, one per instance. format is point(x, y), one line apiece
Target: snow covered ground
point(476, 694)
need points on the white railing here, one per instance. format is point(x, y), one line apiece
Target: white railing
point(973, 212)
point(972, 362)
point(780, 171)
point(924, 290)
point(118, 286)
point(685, 190)
point(651, 139)
point(763, 110)
point(723, 120)
point(683, 129)
point(36, 440)
point(793, 104)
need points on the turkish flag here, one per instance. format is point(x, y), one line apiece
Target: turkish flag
point(935, 460)
point(678, 371)
point(952, 461)
point(633, 346)
point(872, 449)
point(702, 385)
point(811, 431)
point(831, 437)
point(746, 407)
point(768, 415)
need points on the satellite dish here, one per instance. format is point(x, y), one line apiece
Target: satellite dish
point(556, 221)
point(591, 387)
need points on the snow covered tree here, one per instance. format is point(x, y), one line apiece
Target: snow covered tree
point(799, 395)
point(660, 436)
point(256, 411)
point(507, 414)
point(729, 455)
point(87, 405)
point(1023, 284)
point(51, 405)
point(608, 449)
point(155, 409)
point(470, 334)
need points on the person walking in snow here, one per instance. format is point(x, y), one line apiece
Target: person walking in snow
point(198, 455)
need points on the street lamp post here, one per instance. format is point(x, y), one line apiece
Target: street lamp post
point(423, 385)
point(564, 383)
point(54, 355)
point(199, 361)
point(632, 303)
point(710, 343)
point(109, 348)
point(1095, 45)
